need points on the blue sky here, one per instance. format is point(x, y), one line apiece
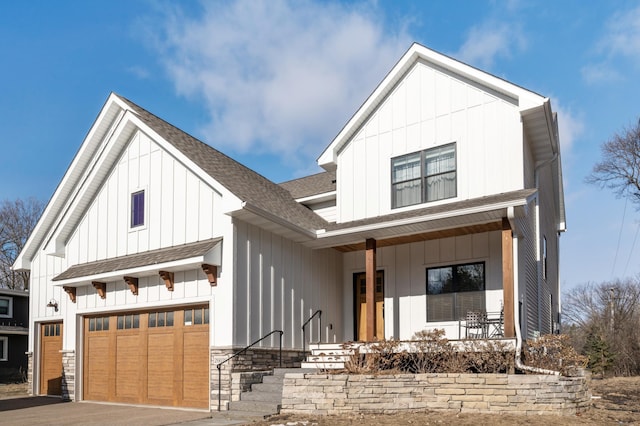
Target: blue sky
point(270, 83)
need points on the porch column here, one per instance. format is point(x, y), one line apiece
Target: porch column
point(507, 279)
point(370, 269)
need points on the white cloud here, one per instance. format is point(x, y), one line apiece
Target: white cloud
point(279, 76)
point(621, 40)
point(490, 40)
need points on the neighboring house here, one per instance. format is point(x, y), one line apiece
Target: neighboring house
point(442, 194)
point(14, 320)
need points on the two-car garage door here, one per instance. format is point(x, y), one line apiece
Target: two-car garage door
point(158, 357)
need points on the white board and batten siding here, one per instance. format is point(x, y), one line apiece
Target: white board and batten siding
point(405, 276)
point(428, 108)
point(180, 208)
point(279, 284)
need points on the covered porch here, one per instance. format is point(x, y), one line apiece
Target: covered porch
point(397, 280)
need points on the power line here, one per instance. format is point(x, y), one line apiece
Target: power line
point(615, 258)
point(631, 251)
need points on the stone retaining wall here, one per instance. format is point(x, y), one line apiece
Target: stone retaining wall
point(466, 393)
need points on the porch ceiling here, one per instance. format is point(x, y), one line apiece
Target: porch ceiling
point(465, 217)
point(424, 236)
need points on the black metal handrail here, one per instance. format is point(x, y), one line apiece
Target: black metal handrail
point(219, 365)
point(304, 338)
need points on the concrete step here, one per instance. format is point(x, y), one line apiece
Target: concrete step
point(322, 365)
point(326, 346)
point(323, 356)
point(267, 387)
point(260, 396)
point(261, 408)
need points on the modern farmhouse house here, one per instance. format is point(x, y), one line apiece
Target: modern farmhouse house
point(158, 256)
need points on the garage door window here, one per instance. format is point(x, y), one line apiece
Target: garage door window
point(160, 319)
point(99, 324)
point(126, 322)
point(196, 316)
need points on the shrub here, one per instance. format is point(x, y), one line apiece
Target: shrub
point(553, 352)
point(429, 352)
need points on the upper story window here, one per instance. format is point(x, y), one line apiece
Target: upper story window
point(424, 176)
point(6, 307)
point(137, 209)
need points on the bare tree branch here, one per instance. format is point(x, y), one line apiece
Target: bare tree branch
point(619, 169)
point(17, 220)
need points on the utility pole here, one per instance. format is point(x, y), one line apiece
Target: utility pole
point(611, 318)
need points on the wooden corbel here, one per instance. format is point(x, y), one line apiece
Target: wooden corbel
point(101, 288)
point(71, 291)
point(212, 273)
point(168, 279)
point(133, 284)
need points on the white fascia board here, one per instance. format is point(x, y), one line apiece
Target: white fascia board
point(409, 221)
point(116, 138)
point(325, 196)
point(141, 271)
point(58, 200)
point(526, 98)
point(276, 219)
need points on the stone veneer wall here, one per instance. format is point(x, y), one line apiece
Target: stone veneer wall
point(30, 373)
point(68, 375)
point(239, 373)
point(466, 393)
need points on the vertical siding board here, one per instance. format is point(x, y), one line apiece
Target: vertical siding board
point(167, 221)
point(403, 289)
point(179, 203)
point(155, 199)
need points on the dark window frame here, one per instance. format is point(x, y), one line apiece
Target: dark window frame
point(457, 288)
point(424, 177)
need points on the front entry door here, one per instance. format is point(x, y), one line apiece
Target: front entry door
point(51, 359)
point(360, 297)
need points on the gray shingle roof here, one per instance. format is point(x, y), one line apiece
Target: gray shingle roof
point(307, 186)
point(503, 198)
point(243, 182)
point(150, 257)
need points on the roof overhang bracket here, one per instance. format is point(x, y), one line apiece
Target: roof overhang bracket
point(168, 279)
point(71, 291)
point(132, 282)
point(101, 288)
point(212, 273)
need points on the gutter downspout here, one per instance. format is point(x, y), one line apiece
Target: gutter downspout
point(538, 239)
point(516, 297)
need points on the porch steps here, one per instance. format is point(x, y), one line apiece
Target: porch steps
point(327, 356)
point(264, 399)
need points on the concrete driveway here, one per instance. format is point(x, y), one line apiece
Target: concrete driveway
point(40, 410)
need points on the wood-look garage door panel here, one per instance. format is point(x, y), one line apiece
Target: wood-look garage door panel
point(51, 359)
point(98, 371)
point(158, 358)
point(196, 350)
point(161, 364)
point(127, 367)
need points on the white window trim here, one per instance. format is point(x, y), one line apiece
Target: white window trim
point(10, 313)
point(4, 355)
point(146, 209)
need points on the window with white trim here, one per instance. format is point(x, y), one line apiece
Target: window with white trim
point(424, 176)
point(454, 290)
point(4, 348)
point(137, 209)
point(6, 307)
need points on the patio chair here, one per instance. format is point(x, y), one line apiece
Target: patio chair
point(475, 325)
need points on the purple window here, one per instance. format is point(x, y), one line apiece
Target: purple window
point(137, 209)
